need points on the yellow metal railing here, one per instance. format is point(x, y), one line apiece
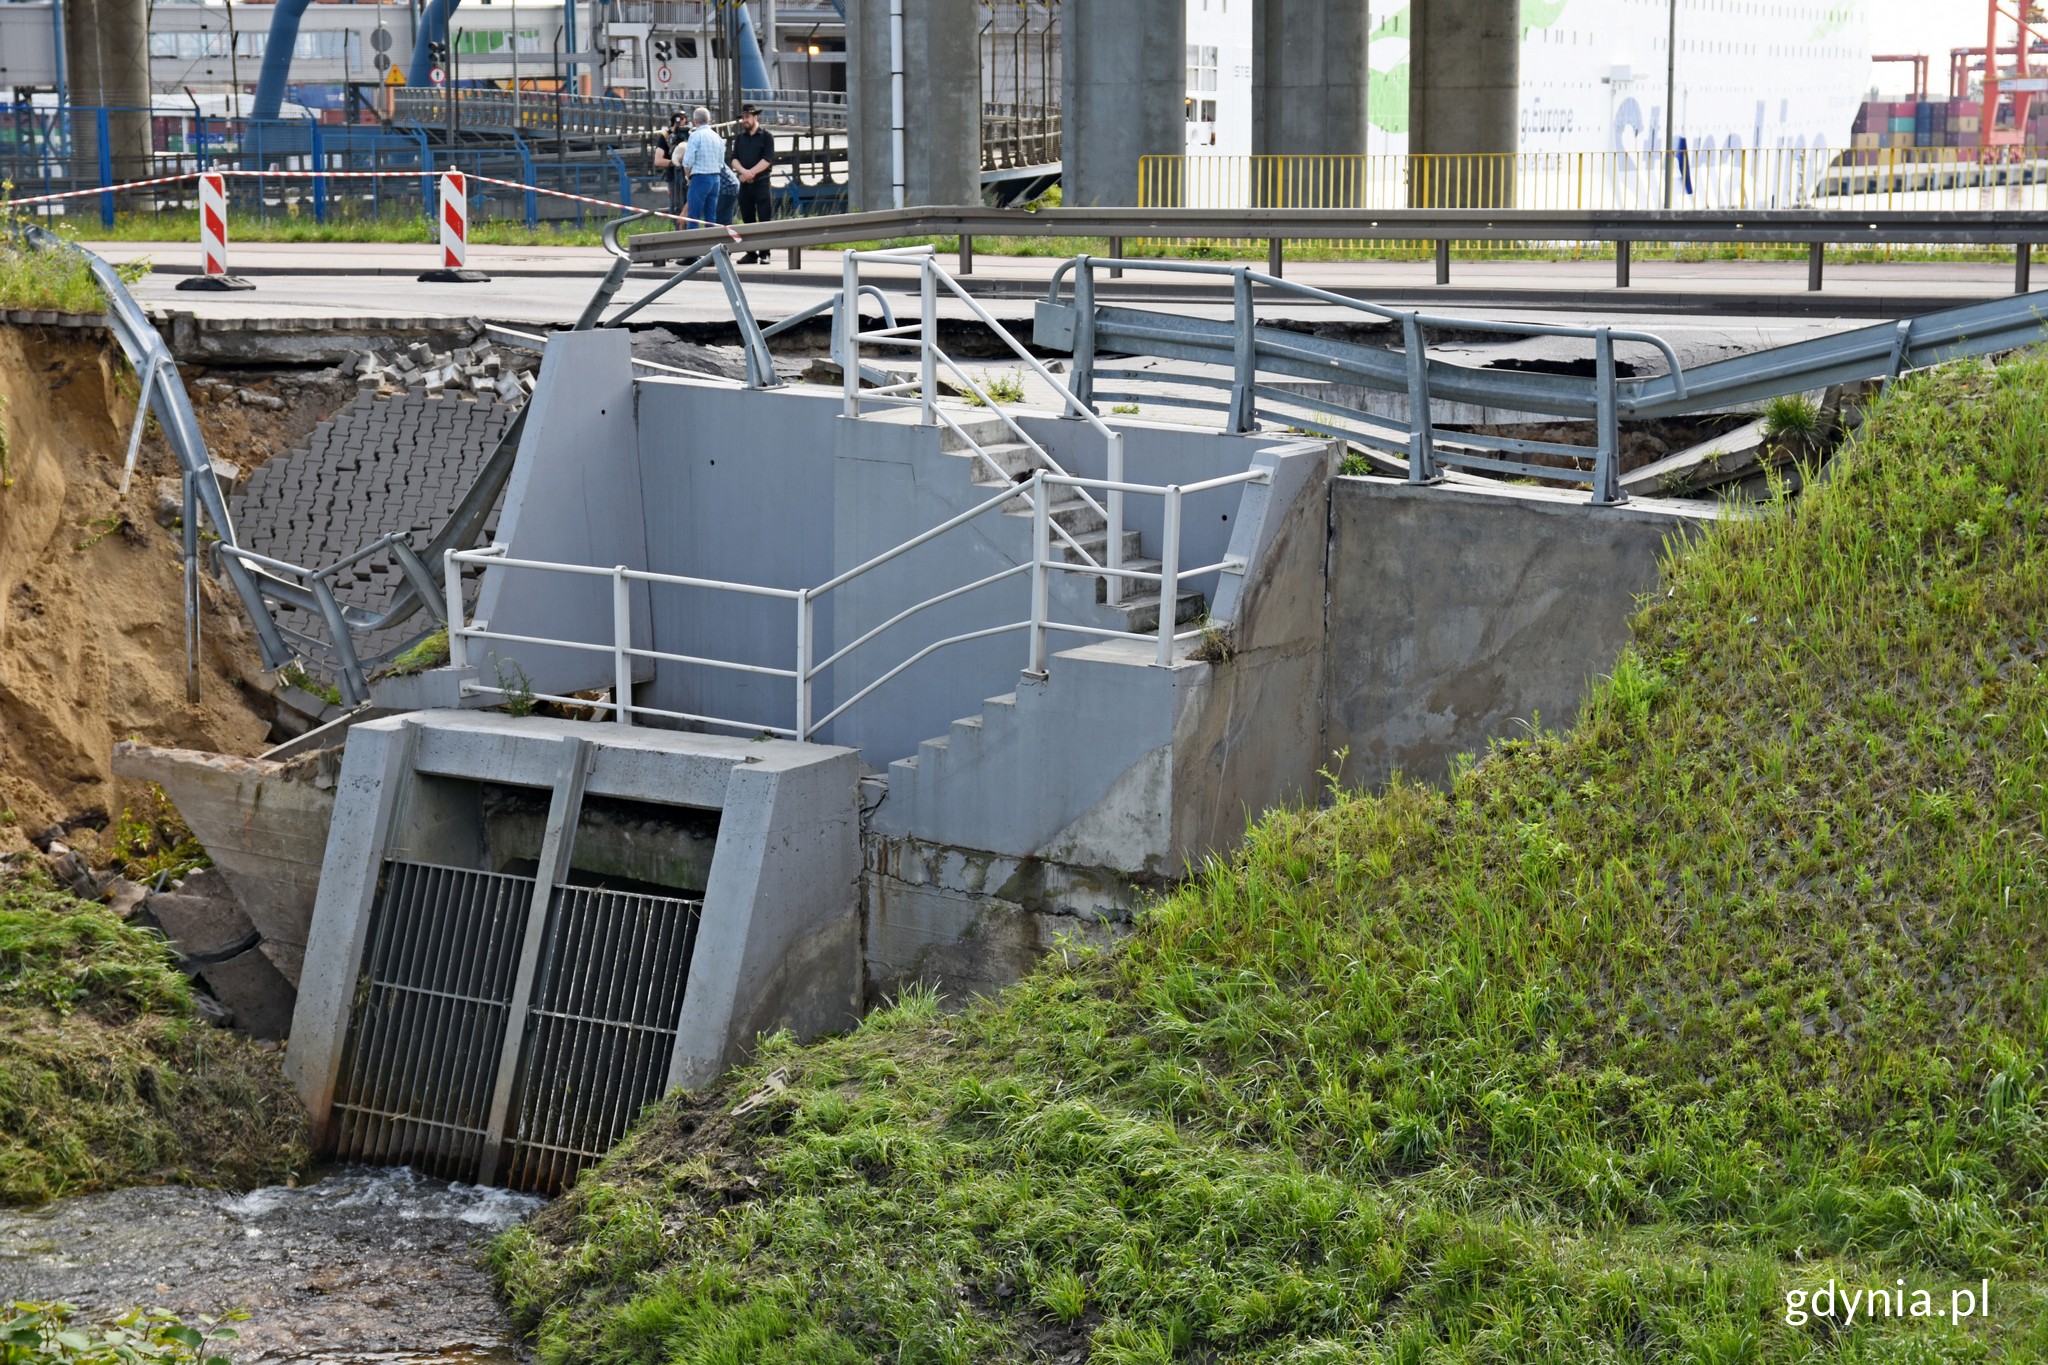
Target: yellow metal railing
point(1915, 179)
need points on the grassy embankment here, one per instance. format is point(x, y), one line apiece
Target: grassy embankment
point(1732, 989)
point(106, 1076)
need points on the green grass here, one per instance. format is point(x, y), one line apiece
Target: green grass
point(106, 1076)
point(1733, 988)
point(393, 227)
point(431, 651)
point(53, 281)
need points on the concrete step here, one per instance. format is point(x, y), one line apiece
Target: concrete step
point(985, 432)
point(1014, 458)
point(1068, 510)
point(1142, 612)
point(1096, 545)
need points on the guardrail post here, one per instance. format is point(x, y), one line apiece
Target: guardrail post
point(2022, 268)
point(191, 530)
point(1041, 547)
point(1169, 575)
point(1421, 427)
point(1816, 255)
point(622, 643)
point(1274, 261)
point(1114, 594)
point(928, 340)
point(1244, 399)
point(451, 587)
point(1607, 458)
point(966, 253)
point(1083, 373)
point(1621, 253)
point(849, 336)
point(804, 624)
point(1443, 261)
point(355, 690)
point(1116, 253)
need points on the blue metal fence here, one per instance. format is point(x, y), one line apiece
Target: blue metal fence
point(297, 167)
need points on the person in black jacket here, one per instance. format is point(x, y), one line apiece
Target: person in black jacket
point(668, 150)
point(753, 155)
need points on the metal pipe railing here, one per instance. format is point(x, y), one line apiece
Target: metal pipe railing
point(807, 669)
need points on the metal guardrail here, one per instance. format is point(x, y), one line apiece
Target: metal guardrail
point(1815, 229)
point(1233, 355)
point(1245, 350)
point(260, 581)
point(600, 116)
point(1747, 179)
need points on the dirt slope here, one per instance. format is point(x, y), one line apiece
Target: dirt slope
point(91, 614)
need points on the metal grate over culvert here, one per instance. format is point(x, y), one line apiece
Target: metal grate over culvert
point(602, 1027)
point(437, 993)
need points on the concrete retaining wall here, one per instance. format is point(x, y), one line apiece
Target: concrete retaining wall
point(1458, 610)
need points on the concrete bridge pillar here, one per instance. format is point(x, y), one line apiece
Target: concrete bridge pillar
point(1464, 96)
point(941, 103)
point(1308, 97)
point(1124, 78)
point(106, 44)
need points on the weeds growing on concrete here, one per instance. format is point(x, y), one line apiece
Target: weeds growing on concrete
point(1000, 388)
point(430, 652)
point(156, 843)
point(1792, 422)
point(1735, 987)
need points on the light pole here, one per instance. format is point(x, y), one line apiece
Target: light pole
point(1670, 93)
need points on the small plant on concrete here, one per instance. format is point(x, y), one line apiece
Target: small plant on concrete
point(1127, 409)
point(1792, 422)
point(431, 652)
point(1001, 388)
point(294, 674)
point(515, 685)
point(1215, 646)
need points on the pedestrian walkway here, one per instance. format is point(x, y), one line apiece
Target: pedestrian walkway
point(377, 467)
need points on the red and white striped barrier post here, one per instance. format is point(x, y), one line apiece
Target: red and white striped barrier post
point(213, 237)
point(454, 221)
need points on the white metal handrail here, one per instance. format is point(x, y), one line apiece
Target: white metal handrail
point(931, 357)
point(806, 671)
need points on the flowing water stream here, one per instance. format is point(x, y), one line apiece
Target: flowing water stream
point(362, 1265)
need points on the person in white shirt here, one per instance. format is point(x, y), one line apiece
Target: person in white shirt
point(703, 159)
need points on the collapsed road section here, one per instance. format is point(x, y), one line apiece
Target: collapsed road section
point(682, 708)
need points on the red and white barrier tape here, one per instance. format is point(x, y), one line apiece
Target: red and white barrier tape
point(682, 219)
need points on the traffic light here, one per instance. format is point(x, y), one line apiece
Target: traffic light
point(437, 50)
point(663, 51)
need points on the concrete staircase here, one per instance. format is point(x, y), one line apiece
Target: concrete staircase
point(1094, 735)
point(1073, 514)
